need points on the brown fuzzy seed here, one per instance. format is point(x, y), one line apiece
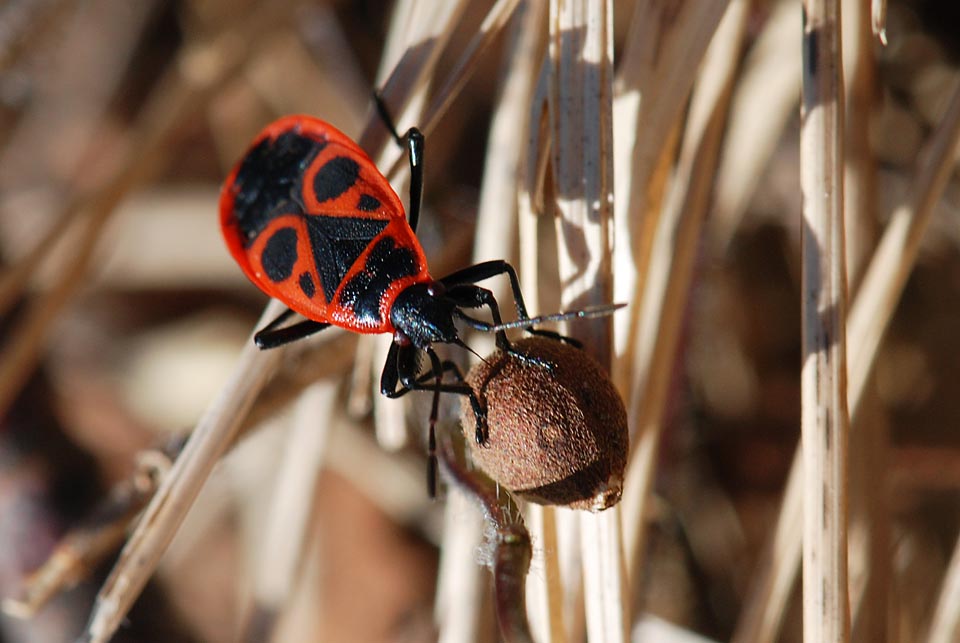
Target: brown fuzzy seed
point(557, 426)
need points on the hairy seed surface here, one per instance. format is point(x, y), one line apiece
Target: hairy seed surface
point(558, 428)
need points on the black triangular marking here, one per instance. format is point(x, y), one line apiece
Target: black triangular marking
point(270, 180)
point(337, 243)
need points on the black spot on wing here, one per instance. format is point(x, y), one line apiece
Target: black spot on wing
point(337, 243)
point(386, 263)
point(306, 285)
point(280, 255)
point(368, 203)
point(269, 182)
point(335, 177)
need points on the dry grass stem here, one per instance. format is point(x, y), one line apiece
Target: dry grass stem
point(825, 421)
point(288, 522)
point(675, 248)
point(945, 625)
point(776, 571)
point(507, 541)
point(656, 71)
point(461, 582)
point(413, 50)
point(86, 545)
point(545, 587)
point(878, 11)
point(869, 533)
point(180, 487)
point(493, 23)
point(659, 62)
point(497, 210)
point(124, 316)
point(896, 253)
point(764, 101)
point(580, 93)
point(870, 315)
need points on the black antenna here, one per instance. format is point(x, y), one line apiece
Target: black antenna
point(586, 313)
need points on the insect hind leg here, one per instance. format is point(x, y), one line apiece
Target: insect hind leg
point(272, 336)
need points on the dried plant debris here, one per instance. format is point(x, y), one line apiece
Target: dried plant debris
point(557, 426)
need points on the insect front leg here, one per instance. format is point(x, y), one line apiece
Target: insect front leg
point(470, 296)
point(401, 375)
point(488, 269)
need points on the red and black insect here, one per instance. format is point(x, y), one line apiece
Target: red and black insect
point(313, 223)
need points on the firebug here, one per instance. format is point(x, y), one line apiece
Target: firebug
point(313, 223)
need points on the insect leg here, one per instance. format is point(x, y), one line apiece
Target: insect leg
point(271, 336)
point(470, 296)
point(400, 377)
point(413, 142)
point(488, 269)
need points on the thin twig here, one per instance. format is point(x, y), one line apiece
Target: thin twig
point(170, 504)
point(825, 422)
point(581, 92)
point(506, 536)
point(86, 545)
point(764, 102)
point(673, 255)
point(870, 315)
point(288, 522)
point(878, 10)
point(869, 551)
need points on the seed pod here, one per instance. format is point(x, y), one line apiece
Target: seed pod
point(557, 426)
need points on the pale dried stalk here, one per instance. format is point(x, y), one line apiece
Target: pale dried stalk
point(492, 24)
point(460, 595)
point(497, 210)
point(878, 10)
point(825, 422)
point(495, 20)
point(860, 185)
point(897, 251)
point(581, 68)
point(775, 573)
point(390, 420)
point(674, 253)
point(414, 43)
point(544, 587)
point(180, 487)
point(288, 522)
point(870, 314)
point(460, 620)
point(946, 616)
point(764, 102)
point(507, 542)
point(545, 591)
point(416, 40)
point(664, 48)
